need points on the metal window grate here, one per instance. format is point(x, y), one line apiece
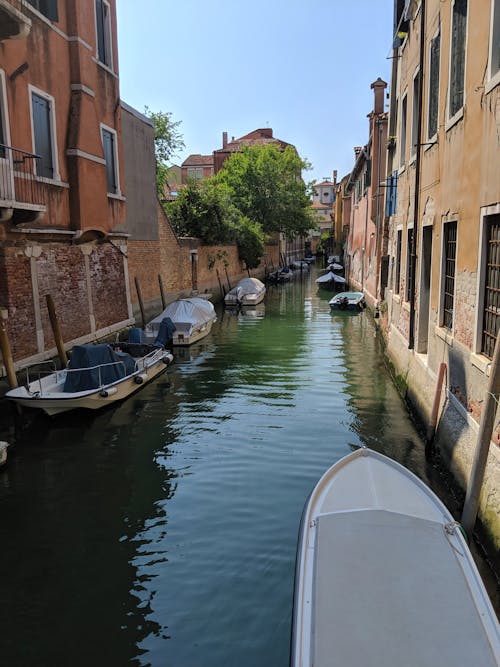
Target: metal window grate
point(491, 309)
point(449, 273)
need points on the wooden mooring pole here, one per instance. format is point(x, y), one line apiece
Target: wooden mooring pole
point(162, 293)
point(8, 360)
point(431, 428)
point(56, 331)
point(141, 303)
point(227, 277)
point(221, 286)
point(488, 415)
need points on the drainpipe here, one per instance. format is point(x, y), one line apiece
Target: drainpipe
point(413, 255)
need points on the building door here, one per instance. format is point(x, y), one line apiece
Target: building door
point(425, 291)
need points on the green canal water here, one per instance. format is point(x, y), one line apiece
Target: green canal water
point(163, 532)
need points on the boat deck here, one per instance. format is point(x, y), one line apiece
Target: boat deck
point(390, 591)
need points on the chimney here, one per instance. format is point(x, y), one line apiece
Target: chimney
point(378, 87)
point(357, 151)
point(267, 132)
point(224, 139)
point(334, 176)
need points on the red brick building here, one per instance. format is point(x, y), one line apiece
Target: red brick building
point(61, 173)
point(259, 137)
point(197, 167)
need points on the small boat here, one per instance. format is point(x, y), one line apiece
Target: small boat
point(192, 320)
point(96, 376)
point(248, 292)
point(310, 259)
point(330, 280)
point(384, 575)
point(335, 267)
point(283, 275)
point(348, 301)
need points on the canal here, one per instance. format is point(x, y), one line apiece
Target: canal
point(163, 532)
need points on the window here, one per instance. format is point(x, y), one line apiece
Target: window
point(103, 23)
point(415, 119)
point(195, 173)
point(457, 58)
point(495, 39)
point(3, 119)
point(432, 111)
point(46, 7)
point(391, 194)
point(409, 263)
point(368, 174)
point(109, 147)
point(450, 255)
point(402, 133)
point(397, 275)
point(491, 308)
point(43, 134)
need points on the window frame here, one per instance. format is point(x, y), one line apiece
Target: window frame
point(53, 131)
point(114, 134)
point(107, 35)
point(397, 257)
point(409, 241)
point(444, 259)
point(458, 113)
point(437, 36)
point(493, 78)
point(486, 213)
point(4, 115)
point(415, 103)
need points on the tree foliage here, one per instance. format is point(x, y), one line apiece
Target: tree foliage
point(168, 141)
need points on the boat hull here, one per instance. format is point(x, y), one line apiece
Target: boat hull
point(384, 575)
point(183, 339)
point(90, 400)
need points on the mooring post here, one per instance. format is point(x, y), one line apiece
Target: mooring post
point(8, 360)
point(488, 415)
point(56, 330)
point(139, 297)
point(162, 293)
point(227, 277)
point(431, 428)
point(221, 287)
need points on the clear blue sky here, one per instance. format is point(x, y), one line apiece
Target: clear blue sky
point(302, 67)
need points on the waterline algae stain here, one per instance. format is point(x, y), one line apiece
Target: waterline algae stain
point(163, 531)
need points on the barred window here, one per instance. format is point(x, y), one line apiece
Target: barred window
point(457, 68)
point(397, 275)
point(491, 308)
point(432, 114)
point(409, 265)
point(450, 256)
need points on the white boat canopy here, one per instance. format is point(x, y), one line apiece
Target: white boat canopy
point(189, 311)
point(330, 277)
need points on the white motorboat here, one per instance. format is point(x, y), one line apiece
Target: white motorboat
point(192, 319)
point(96, 376)
point(348, 301)
point(384, 575)
point(330, 280)
point(248, 292)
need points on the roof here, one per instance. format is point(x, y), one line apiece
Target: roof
point(330, 184)
point(198, 160)
point(257, 137)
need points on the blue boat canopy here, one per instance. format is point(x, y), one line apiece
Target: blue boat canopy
point(93, 366)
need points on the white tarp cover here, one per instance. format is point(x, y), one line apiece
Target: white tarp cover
point(248, 286)
point(329, 277)
point(335, 267)
point(191, 311)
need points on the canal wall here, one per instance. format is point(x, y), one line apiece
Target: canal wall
point(457, 426)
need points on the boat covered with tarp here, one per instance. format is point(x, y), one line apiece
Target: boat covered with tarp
point(384, 575)
point(348, 301)
point(330, 280)
point(248, 292)
point(95, 376)
point(192, 319)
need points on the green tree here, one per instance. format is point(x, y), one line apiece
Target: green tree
point(168, 141)
point(268, 189)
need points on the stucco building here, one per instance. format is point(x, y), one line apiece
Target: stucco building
point(443, 206)
point(61, 173)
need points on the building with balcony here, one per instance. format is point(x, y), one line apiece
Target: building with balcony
point(61, 173)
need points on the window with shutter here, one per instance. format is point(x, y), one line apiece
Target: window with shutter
point(46, 7)
point(108, 142)
point(415, 114)
point(457, 58)
point(409, 264)
point(42, 128)
point(402, 146)
point(432, 112)
point(103, 27)
point(397, 275)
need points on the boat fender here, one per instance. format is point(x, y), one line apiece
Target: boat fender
point(167, 359)
point(139, 379)
point(104, 393)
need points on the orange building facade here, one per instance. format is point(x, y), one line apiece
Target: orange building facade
point(61, 173)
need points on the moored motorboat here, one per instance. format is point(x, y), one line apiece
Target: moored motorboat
point(348, 301)
point(192, 320)
point(384, 575)
point(330, 280)
point(248, 292)
point(96, 376)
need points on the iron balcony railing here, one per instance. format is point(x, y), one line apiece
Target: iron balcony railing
point(18, 182)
